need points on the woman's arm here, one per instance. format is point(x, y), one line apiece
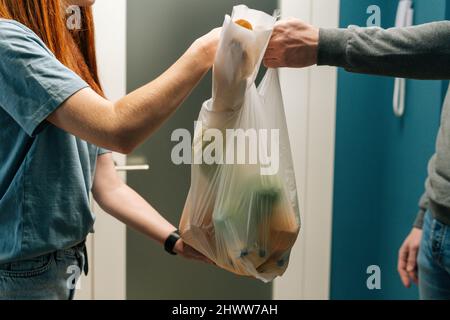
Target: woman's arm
point(123, 203)
point(123, 125)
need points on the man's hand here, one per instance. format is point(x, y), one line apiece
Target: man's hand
point(186, 251)
point(294, 44)
point(407, 258)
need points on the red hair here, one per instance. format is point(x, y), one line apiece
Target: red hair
point(47, 18)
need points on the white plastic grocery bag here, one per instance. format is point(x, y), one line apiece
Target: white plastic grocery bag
point(242, 209)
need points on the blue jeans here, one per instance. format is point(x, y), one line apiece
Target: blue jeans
point(49, 277)
point(434, 260)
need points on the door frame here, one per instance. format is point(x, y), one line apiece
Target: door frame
point(107, 246)
point(311, 113)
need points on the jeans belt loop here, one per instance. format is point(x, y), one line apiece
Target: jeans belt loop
point(86, 260)
point(83, 258)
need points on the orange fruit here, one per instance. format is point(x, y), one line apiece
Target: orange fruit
point(244, 23)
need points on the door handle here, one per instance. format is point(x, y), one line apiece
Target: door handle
point(142, 167)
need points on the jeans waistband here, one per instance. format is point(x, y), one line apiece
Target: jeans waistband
point(440, 212)
point(80, 253)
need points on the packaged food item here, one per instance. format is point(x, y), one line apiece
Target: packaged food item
point(244, 23)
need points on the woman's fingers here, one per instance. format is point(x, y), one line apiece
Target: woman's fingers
point(191, 253)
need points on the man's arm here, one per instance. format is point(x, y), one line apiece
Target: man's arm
point(423, 207)
point(420, 52)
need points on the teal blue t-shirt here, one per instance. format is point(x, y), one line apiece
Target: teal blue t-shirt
point(46, 174)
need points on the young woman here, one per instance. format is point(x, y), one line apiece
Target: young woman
point(55, 130)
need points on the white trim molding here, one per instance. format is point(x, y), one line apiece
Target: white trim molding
point(107, 247)
point(310, 102)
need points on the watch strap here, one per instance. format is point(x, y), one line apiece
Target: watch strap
point(171, 240)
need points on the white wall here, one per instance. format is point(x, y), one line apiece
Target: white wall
point(108, 258)
point(310, 103)
point(110, 23)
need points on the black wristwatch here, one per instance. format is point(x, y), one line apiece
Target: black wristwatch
point(171, 241)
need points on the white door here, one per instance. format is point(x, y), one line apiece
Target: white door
point(310, 102)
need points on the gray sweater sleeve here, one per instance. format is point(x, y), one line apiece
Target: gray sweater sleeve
point(418, 52)
point(423, 207)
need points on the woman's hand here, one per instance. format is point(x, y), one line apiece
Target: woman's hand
point(123, 203)
point(294, 44)
point(186, 251)
point(407, 258)
point(208, 46)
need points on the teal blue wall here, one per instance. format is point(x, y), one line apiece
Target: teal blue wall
point(380, 164)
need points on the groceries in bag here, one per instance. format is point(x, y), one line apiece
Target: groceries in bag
point(242, 208)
